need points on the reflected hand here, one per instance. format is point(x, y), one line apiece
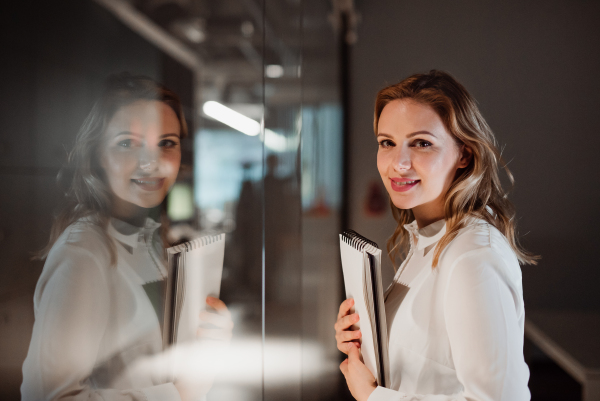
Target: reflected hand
point(199, 362)
point(359, 378)
point(215, 325)
point(344, 336)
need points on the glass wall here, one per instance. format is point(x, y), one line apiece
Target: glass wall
point(258, 89)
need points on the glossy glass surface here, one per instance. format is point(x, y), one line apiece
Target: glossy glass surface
point(268, 177)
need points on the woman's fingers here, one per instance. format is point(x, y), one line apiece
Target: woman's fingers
point(218, 305)
point(346, 338)
point(343, 335)
point(215, 325)
point(347, 335)
point(353, 355)
point(345, 347)
point(345, 308)
point(345, 322)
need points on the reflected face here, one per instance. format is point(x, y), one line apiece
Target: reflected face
point(141, 153)
point(417, 157)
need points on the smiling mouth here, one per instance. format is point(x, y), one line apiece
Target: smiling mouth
point(404, 185)
point(149, 184)
point(405, 182)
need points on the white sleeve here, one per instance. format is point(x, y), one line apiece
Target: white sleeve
point(484, 334)
point(72, 311)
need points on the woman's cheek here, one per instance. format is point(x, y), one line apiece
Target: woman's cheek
point(172, 163)
point(121, 162)
point(382, 164)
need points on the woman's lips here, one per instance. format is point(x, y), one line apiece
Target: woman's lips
point(149, 184)
point(403, 184)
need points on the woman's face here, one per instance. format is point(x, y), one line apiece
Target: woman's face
point(141, 153)
point(417, 158)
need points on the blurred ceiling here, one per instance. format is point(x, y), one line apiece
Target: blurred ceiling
point(227, 39)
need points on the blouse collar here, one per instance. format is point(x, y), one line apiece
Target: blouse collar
point(130, 235)
point(427, 235)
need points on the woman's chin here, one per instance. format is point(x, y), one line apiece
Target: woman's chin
point(150, 200)
point(404, 204)
point(136, 205)
point(148, 205)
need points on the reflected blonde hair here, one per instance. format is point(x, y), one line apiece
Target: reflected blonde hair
point(87, 194)
point(476, 190)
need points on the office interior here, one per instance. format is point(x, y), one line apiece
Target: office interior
point(300, 167)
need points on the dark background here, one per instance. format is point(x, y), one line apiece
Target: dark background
point(534, 68)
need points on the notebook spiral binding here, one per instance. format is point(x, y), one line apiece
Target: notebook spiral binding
point(357, 241)
point(196, 243)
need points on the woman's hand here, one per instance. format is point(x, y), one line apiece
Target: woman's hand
point(359, 378)
point(343, 335)
point(215, 326)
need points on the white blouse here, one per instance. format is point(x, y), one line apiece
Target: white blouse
point(94, 321)
point(456, 331)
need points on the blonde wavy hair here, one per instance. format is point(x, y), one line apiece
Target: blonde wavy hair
point(476, 190)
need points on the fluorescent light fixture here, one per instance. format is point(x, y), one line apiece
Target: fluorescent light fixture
point(231, 117)
point(273, 140)
point(274, 71)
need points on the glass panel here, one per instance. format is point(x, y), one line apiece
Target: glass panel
point(282, 230)
point(257, 83)
point(321, 204)
point(229, 154)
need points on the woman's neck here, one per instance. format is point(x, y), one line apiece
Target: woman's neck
point(129, 212)
point(428, 213)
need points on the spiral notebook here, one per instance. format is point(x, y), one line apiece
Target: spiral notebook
point(361, 263)
point(195, 270)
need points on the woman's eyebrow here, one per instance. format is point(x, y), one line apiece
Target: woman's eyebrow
point(407, 136)
point(126, 133)
point(420, 132)
point(169, 134)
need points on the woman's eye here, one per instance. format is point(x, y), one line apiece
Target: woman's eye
point(126, 143)
point(386, 143)
point(167, 143)
point(421, 143)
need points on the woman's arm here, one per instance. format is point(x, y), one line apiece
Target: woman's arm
point(485, 337)
point(72, 310)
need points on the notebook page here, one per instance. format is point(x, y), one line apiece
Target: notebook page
point(202, 277)
point(352, 265)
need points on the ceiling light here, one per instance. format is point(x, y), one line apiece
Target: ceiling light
point(247, 28)
point(231, 117)
point(274, 71)
point(193, 29)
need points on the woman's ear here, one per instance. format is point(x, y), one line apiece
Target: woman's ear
point(466, 154)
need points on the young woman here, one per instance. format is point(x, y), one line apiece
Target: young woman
point(454, 310)
point(97, 321)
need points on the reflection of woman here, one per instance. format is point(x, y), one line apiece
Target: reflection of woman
point(455, 308)
point(94, 314)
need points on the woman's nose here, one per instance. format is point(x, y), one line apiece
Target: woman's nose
point(148, 158)
point(401, 160)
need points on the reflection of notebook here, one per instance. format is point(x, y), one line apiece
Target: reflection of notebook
point(195, 269)
point(361, 262)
